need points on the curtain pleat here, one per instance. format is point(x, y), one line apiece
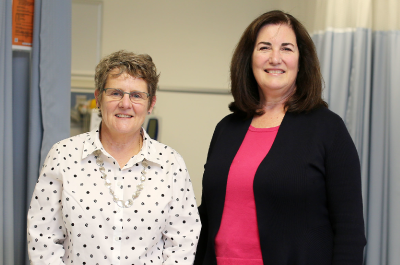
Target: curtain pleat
point(50, 89)
point(6, 137)
point(384, 184)
point(360, 69)
point(35, 111)
point(55, 72)
point(34, 114)
point(345, 57)
point(20, 100)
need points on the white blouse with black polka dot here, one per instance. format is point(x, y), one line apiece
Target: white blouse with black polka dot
point(73, 219)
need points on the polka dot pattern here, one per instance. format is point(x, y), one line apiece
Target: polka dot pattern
point(73, 219)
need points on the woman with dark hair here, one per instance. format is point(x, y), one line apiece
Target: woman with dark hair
point(114, 195)
point(282, 182)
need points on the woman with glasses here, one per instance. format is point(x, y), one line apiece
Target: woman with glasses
point(114, 195)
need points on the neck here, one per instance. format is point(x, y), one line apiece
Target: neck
point(121, 147)
point(272, 117)
point(276, 99)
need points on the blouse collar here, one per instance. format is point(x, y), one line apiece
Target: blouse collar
point(148, 151)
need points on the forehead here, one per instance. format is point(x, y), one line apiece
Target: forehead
point(125, 81)
point(277, 33)
point(115, 73)
point(115, 76)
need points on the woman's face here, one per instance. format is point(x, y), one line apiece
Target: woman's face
point(122, 116)
point(275, 60)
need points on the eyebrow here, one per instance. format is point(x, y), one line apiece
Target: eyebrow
point(268, 43)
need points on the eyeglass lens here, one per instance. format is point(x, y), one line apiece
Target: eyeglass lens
point(118, 94)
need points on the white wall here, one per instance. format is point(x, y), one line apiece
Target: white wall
point(191, 43)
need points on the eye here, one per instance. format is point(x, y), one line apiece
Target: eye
point(264, 48)
point(287, 49)
point(116, 92)
point(136, 95)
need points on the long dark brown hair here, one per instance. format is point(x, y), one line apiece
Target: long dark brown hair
point(244, 87)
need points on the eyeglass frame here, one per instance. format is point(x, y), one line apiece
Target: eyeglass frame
point(129, 93)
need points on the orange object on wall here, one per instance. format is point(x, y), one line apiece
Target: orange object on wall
point(22, 22)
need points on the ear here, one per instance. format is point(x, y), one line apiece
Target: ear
point(153, 102)
point(96, 96)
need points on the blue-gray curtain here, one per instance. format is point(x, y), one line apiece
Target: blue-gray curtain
point(384, 179)
point(50, 82)
point(345, 58)
point(6, 137)
point(34, 113)
point(20, 101)
point(50, 85)
point(361, 73)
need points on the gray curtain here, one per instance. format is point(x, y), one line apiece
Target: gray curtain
point(50, 94)
point(345, 58)
point(361, 73)
point(384, 178)
point(6, 137)
point(20, 101)
point(50, 86)
point(34, 114)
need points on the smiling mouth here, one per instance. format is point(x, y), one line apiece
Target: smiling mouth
point(275, 71)
point(123, 116)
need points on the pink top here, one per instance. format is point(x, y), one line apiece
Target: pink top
point(238, 241)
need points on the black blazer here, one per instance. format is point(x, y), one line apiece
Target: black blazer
point(307, 192)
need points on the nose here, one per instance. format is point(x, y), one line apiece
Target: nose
point(125, 102)
point(275, 57)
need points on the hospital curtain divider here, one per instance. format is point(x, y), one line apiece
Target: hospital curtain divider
point(360, 69)
point(20, 101)
point(345, 57)
point(35, 111)
point(50, 89)
point(50, 86)
point(6, 137)
point(34, 114)
point(55, 71)
point(384, 184)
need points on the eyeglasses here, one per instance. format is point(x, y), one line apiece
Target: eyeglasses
point(118, 94)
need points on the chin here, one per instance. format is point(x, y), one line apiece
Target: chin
point(128, 130)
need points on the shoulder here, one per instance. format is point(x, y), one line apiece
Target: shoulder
point(70, 142)
point(321, 113)
point(322, 118)
point(322, 125)
point(76, 140)
point(324, 113)
point(232, 119)
point(73, 142)
point(164, 154)
point(231, 122)
point(69, 147)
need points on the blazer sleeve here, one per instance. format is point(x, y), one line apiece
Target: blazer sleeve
point(343, 184)
point(202, 244)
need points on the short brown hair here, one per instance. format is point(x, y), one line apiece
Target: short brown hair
point(244, 88)
point(136, 65)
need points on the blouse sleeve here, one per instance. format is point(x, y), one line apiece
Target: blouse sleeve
point(46, 231)
point(343, 178)
point(183, 225)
